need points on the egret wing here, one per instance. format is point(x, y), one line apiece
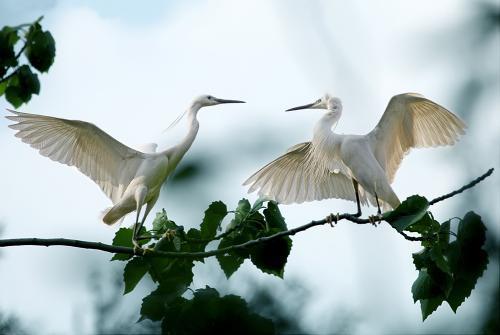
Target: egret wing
point(410, 120)
point(294, 178)
point(109, 163)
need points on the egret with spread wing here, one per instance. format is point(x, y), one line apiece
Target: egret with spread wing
point(130, 178)
point(360, 168)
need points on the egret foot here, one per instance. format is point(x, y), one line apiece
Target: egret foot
point(138, 250)
point(375, 219)
point(332, 219)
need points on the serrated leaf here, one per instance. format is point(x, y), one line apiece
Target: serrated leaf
point(229, 262)
point(468, 260)
point(439, 259)
point(242, 210)
point(134, 270)
point(123, 237)
point(273, 217)
point(22, 85)
point(8, 38)
point(258, 204)
point(174, 279)
point(209, 313)
point(40, 48)
point(271, 257)
point(214, 215)
point(428, 306)
point(408, 213)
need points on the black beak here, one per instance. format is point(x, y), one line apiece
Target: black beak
point(300, 107)
point(224, 101)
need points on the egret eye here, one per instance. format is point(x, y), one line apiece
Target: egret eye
point(318, 101)
point(209, 97)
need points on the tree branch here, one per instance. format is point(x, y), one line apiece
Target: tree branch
point(200, 255)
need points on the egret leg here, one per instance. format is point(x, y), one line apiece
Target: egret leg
point(140, 196)
point(356, 190)
point(378, 205)
point(149, 207)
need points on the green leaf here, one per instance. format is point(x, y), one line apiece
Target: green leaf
point(135, 269)
point(174, 277)
point(229, 262)
point(271, 257)
point(468, 260)
point(273, 217)
point(40, 48)
point(428, 306)
point(123, 237)
point(161, 223)
point(408, 213)
point(242, 210)
point(22, 85)
point(8, 38)
point(258, 204)
point(212, 220)
point(3, 86)
point(209, 313)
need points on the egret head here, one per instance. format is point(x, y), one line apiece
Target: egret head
point(209, 100)
point(332, 104)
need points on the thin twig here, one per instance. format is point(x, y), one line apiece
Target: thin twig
point(200, 255)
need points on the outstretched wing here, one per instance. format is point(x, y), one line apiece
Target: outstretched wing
point(410, 120)
point(294, 178)
point(109, 163)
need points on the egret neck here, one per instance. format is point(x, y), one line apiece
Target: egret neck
point(180, 149)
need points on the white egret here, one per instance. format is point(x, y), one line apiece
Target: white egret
point(356, 167)
point(130, 178)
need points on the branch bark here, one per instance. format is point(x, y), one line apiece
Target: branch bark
point(199, 255)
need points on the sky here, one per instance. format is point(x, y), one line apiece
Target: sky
point(132, 69)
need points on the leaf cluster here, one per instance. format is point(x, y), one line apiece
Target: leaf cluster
point(447, 270)
point(20, 81)
point(173, 276)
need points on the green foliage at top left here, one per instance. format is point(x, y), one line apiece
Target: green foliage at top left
point(19, 81)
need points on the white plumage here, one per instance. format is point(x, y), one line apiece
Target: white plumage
point(332, 165)
point(130, 178)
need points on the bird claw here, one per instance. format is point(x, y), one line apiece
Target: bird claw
point(375, 219)
point(332, 219)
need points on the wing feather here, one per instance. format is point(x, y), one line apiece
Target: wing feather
point(412, 121)
point(288, 179)
point(108, 162)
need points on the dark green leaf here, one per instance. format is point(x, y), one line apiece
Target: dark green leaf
point(229, 262)
point(22, 86)
point(273, 217)
point(174, 277)
point(271, 256)
point(467, 258)
point(212, 220)
point(428, 306)
point(135, 269)
point(14, 94)
point(8, 38)
point(439, 259)
point(209, 313)
point(123, 237)
point(40, 48)
point(242, 210)
point(408, 213)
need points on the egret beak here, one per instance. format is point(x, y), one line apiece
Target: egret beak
point(301, 107)
point(224, 101)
